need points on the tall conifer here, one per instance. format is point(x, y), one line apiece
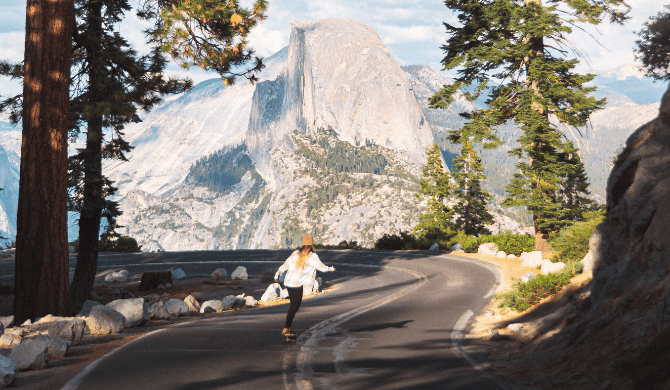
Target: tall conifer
point(434, 185)
point(470, 209)
point(511, 50)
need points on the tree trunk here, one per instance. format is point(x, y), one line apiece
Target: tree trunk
point(89, 219)
point(42, 267)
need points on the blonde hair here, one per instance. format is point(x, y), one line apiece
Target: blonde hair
point(303, 254)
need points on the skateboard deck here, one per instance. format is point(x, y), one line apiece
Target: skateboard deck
point(289, 338)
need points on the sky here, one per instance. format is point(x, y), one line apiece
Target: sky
point(412, 30)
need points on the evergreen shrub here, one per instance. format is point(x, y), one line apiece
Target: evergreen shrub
point(571, 244)
point(508, 242)
point(395, 241)
point(121, 244)
point(525, 295)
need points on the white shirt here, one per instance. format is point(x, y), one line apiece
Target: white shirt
point(301, 277)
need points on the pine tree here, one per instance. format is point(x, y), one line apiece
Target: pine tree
point(468, 175)
point(435, 186)
point(41, 273)
point(519, 43)
point(653, 48)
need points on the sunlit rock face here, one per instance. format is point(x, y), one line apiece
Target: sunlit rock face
point(339, 76)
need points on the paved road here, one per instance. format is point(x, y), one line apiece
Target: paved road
point(390, 323)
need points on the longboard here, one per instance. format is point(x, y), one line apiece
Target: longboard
point(289, 338)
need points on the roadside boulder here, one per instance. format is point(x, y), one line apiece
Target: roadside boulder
point(152, 279)
point(30, 355)
point(86, 309)
point(531, 259)
point(310, 288)
point(56, 347)
point(457, 248)
point(239, 273)
point(176, 307)
point(435, 247)
point(178, 274)
point(193, 304)
point(105, 320)
point(10, 340)
point(7, 322)
point(250, 301)
point(118, 276)
point(135, 311)
point(528, 276)
point(501, 254)
point(488, 249)
point(71, 330)
point(232, 302)
point(8, 370)
point(200, 297)
point(274, 292)
point(511, 256)
point(551, 268)
point(159, 311)
point(219, 274)
point(211, 306)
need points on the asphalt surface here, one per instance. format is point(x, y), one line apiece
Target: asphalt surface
point(391, 322)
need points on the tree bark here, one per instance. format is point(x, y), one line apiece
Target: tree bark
point(42, 266)
point(93, 200)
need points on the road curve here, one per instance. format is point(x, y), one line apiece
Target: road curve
point(391, 322)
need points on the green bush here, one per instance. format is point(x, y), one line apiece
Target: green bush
point(395, 241)
point(342, 245)
point(121, 244)
point(525, 295)
point(571, 244)
point(508, 242)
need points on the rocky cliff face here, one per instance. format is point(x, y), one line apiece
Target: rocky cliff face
point(339, 76)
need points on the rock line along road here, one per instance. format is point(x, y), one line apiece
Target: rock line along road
point(392, 321)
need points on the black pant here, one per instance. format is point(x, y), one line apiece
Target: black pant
point(295, 296)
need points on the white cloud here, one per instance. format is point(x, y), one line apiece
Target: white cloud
point(12, 45)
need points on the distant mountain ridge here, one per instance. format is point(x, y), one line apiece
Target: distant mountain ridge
point(330, 140)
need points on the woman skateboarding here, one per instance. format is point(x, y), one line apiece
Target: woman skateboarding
point(301, 269)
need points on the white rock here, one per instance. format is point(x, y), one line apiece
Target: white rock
point(283, 294)
point(105, 320)
point(158, 311)
point(501, 254)
point(135, 311)
point(532, 259)
point(10, 340)
point(193, 304)
point(551, 268)
point(434, 247)
point(528, 276)
point(30, 355)
point(457, 248)
point(588, 262)
point(211, 306)
point(71, 330)
point(7, 322)
point(488, 249)
point(511, 256)
point(239, 273)
point(49, 319)
point(178, 274)
point(56, 346)
point(272, 293)
point(176, 307)
point(250, 301)
point(233, 302)
point(119, 276)
point(219, 274)
point(8, 369)
point(515, 327)
point(86, 309)
point(27, 322)
point(309, 289)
